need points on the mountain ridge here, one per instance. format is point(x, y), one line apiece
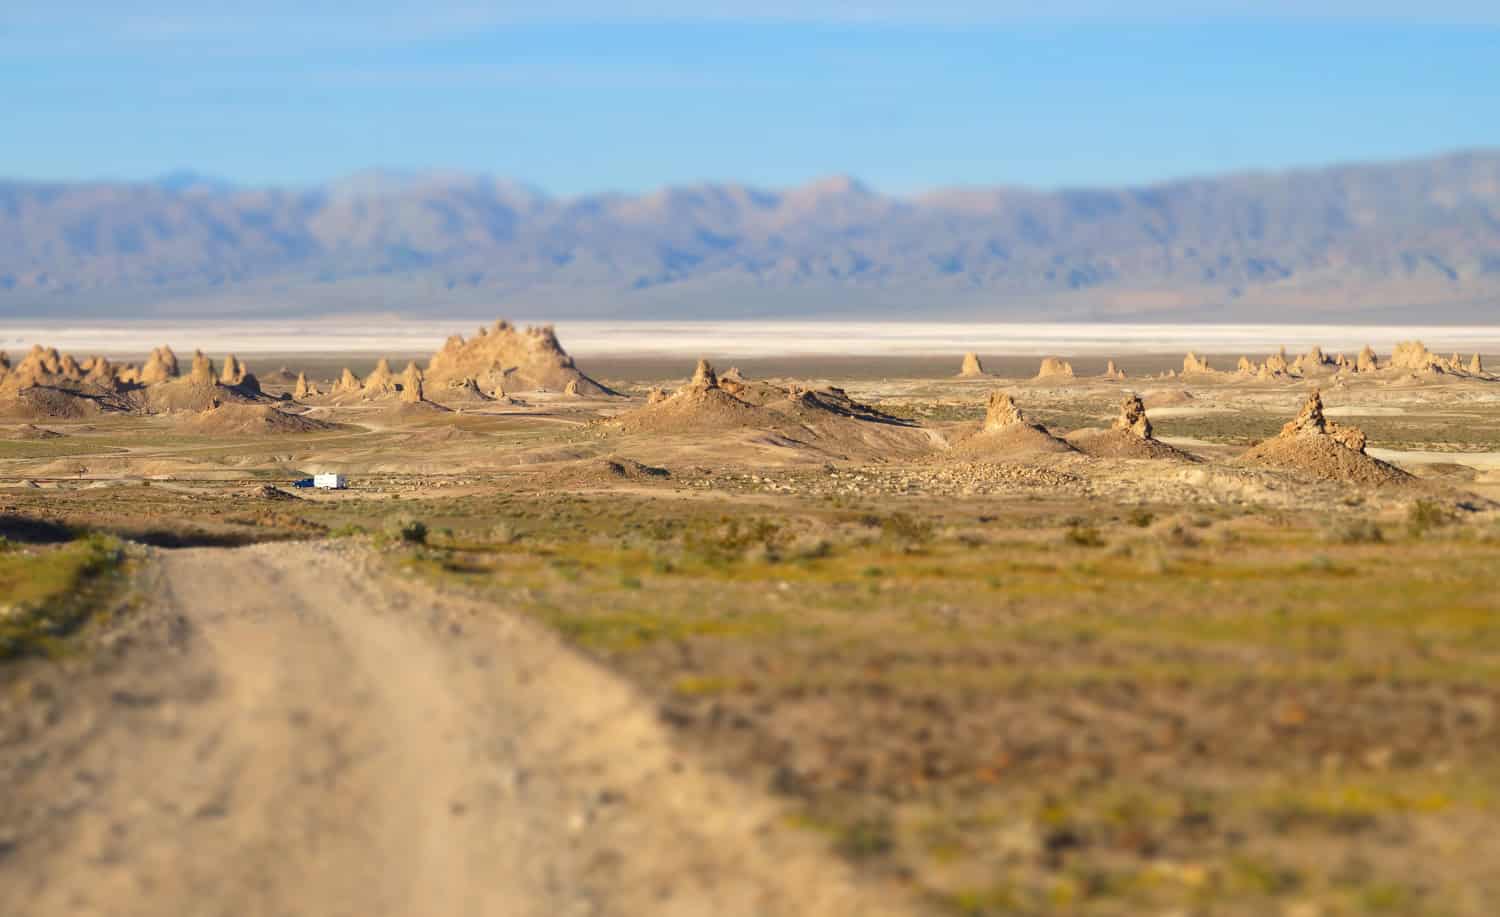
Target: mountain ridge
point(1349, 242)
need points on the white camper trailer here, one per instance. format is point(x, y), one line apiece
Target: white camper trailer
point(329, 481)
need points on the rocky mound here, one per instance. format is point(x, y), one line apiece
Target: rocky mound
point(271, 492)
point(1055, 368)
point(971, 367)
point(1130, 436)
point(1007, 432)
point(826, 421)
point(51, 385)
point(411, 384)
point(380, 383)
point(1414, 357)
point(465, 390)
point(1192, 364)
point(501, 358)
point(1165, 398)
point(45, 402)
point(602, 472)
point(348, 383)
point(251, 419)
point(1317, 447)
point(305, 389)
point(160, 367)
point(47, 367)
point(1113, 372)
point(700, 405)
point(201, 390)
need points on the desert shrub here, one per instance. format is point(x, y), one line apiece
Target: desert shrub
point(1354, 531)
point(1425, 515)
point(502, 533)
point(906, 527)
point(735, 541)
point(405, 528)
point(1179, 534)
point(1084, 536)
point(1141, 518)
point(810, 547)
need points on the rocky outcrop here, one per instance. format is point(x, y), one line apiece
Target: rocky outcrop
point(1008, 433)
point(1192, 364)
point(348, 383)
point(1055, 368)
point(1130, 436)
point(161, 366)
point(501, 357)
point(1312, 362)
point(381, 382)
point(1001, 412)
point(203, 369)
point(1413, 356)
point(704, 377)
point(304, 389)
point(1476, 365)
point(971, 367)
point(1312, 445)
point(1366, 362)
point(1133, 418)
point(102, 374)
point(1113, 372)
point(234, 371)
point(411, 384)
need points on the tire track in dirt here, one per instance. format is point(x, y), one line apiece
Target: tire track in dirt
point(291, 733)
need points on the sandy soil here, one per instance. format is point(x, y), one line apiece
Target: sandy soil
point(280, 731)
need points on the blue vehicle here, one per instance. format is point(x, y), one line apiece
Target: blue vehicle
point(304, 482)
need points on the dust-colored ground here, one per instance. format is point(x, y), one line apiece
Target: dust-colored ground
point(281, 730)
point(1223, 669)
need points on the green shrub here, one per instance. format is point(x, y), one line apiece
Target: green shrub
point(405, 528)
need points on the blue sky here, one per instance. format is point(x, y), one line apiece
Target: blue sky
point(630, 96)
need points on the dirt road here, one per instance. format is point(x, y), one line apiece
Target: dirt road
point(279, 731)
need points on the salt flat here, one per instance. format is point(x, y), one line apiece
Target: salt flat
point(375, 334)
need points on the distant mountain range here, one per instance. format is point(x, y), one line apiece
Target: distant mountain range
point(1382, 242)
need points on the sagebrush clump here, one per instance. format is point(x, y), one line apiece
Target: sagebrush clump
point(407, 529)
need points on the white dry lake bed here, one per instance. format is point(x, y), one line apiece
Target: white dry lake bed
point(375, 334)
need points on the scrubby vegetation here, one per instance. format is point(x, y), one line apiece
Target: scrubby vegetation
point(1053, 707)
point(47, 593)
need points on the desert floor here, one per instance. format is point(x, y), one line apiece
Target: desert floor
point(559, 654)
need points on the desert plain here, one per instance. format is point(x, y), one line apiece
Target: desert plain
point(950, 634)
